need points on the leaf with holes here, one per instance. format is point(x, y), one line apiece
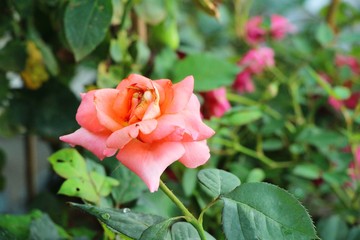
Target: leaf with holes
point(103, 184)
point(68, 163)
point(124, 221)
point(265, 211)
point(76, 187)
point(86, 24)
point(217, 181)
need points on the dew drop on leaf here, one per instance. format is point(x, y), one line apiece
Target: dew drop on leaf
point(126, 210)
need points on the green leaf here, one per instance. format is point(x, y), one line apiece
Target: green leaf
point(218, 181)
point(109, 76)
point(324, 35)
point(264, 211)
point(341, 93)
point(167, 33)
point(164, 63)
point(131, 186)
point(13, 56)
point(23, 7)
point(332, 228)
point(242, 115)
point(103, 184)
point(86, 24)
point(158, 231)
point(209, 71)
point(68, 163)
point(47, 54)
point(44, 228)
point(309, 171)
point(122, 220)
point(354, 233)
point(152, 11)
point(184, 231)
point(158, 203)
point(256, 175)
point(349, 37)
point(77, 187)
point(4, 87)
point(189, 181)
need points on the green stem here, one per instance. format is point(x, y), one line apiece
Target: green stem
point(264, 159)
point(297, 108)
point(331, 14)
point(188, 215)
point(249, 102)
point(127, 8)
point(206, 208)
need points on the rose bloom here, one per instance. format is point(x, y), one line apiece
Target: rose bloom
point(257, 59)
point(280, 26)
point(243, 82)
point(254, 34)
point(147, 124)
point(349, 103)
point(215, 103)
point(351, 62)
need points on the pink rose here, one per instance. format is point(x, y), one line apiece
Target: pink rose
point(243, 82)
point(254, 33)
point(280, 26)
point(351, 62)
point(349, 103)
point(149, 124)
point(257, 59)
point(215, 103)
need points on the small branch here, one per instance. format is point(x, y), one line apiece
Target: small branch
point(331, 14)
point(30, 165)
point(188, 215)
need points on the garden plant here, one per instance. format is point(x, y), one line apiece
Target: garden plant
point(196, 119)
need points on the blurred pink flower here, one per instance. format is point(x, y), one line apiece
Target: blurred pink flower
point(280, 26)
point(257, 59)
point(243, 82)
point(351, 62)
point(215, 103)
point(254, 33)
point(147, 124)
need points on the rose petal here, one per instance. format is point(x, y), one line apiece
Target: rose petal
point(196, 154)
point(167, 124)
point(104, 102)
point(121, 137)
point(135, 79)
point(182, 92)
point(95, 143)
point(193, 122)
point(149, 161)
point(86, 113)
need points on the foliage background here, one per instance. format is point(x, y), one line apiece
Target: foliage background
point(285, 132)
